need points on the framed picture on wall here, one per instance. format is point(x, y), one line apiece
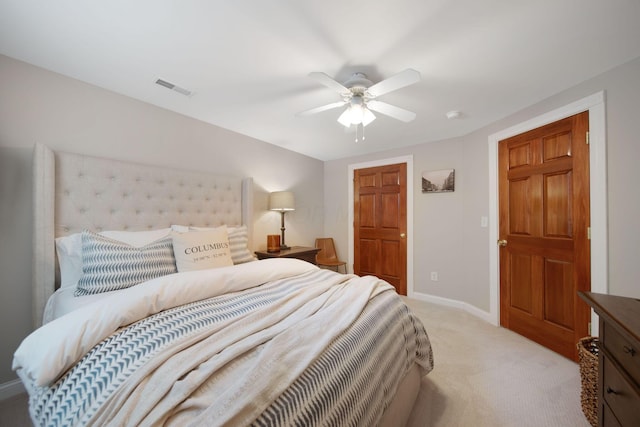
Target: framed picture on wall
point(440, 181)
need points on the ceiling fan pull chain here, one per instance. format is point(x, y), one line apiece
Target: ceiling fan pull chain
point(356, 133)
point(363, 132)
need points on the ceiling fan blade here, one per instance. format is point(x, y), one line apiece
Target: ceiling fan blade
point(400, 80)
point(329, 82)
point(321, 109)
point(391, 111)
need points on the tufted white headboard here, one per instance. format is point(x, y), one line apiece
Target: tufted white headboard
point(74, 192)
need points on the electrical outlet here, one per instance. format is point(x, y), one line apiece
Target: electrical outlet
point(434, 276)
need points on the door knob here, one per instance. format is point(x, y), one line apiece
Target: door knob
point(502, 243)
point(402, 235)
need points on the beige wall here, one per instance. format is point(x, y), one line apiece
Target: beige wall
point(447, 233)
point(443, 223)
point(40, 106)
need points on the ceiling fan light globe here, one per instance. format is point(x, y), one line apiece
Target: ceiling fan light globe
point(356, 116)
point(356, 112)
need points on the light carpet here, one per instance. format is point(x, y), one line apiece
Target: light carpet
point(489, 376)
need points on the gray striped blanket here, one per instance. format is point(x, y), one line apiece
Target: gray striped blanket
point(292, 351)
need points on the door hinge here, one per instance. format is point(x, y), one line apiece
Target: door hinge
point(587, 138)
point(589, 327)
point(588, 233)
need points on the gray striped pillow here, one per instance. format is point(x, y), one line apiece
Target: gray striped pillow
point(109, 265)
point(238, 241)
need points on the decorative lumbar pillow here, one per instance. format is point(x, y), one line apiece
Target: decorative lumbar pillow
point(109, 265)
point(238, 241)
point(69, 250)
point(197, 250)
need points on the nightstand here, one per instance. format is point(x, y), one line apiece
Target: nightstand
point(300, 252)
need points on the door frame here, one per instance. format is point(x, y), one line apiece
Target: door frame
point(595, 104)
point(375, 163)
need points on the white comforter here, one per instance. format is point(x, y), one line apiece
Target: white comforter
point(52, 349)
point(284, 350)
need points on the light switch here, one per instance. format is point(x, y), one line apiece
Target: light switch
point(484, 222)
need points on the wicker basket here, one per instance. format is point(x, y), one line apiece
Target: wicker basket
point(588, 359)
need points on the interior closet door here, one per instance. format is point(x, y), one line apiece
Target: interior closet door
point(380, 224)
point(544, 233)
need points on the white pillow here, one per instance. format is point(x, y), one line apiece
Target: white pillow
point(69, 249)
point(198, 250)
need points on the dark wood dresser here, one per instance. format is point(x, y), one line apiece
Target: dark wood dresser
point(618, 360)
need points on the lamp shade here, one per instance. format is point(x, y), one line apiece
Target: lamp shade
point(281, 201)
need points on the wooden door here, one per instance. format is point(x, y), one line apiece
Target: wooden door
point(544, 220)
point(380, 224)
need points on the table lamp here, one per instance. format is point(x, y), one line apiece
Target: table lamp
point(282, 201)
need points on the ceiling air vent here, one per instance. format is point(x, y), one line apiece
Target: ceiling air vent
point(171, 86)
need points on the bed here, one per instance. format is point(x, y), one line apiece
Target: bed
point(171, 321)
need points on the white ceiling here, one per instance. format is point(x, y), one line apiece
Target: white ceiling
point(247, 61)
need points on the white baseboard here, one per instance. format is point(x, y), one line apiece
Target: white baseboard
point(484, 315)
point(11, 388)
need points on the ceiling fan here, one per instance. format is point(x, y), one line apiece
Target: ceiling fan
point(359, 95)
